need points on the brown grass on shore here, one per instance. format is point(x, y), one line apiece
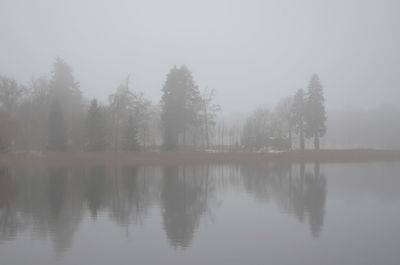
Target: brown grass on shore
point(178, 158)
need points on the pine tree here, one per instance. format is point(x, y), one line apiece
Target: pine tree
point(62, 81)
point(57, 138)
point(181, 103)
point(130, 141)
point(65, 89)
point(95, 128)
point(315, 114)
point(298, 115)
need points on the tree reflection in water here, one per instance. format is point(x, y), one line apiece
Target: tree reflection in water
point(51, 203)
point(9, 223)
point(302, 195)
point(184, 198)
point(96, 189)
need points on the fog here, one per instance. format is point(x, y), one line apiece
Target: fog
point(199, 132)
point(252, 52)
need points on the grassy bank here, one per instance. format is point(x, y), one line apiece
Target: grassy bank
point(175, 158)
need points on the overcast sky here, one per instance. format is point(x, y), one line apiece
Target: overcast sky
point(252, 52)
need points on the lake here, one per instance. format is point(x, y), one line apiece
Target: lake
point(219, 214)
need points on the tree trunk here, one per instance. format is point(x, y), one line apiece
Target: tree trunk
point(206, 127)
point(316, 141)
point(301, 138)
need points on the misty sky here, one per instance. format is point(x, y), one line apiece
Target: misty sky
point(252, 52)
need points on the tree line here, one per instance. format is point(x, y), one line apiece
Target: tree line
point(52, 114)
point(302, 115)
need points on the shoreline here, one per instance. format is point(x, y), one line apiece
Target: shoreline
point(198, 157)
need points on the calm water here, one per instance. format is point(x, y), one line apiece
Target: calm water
point(272, 214)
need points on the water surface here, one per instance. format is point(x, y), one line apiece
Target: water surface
point(269, 214)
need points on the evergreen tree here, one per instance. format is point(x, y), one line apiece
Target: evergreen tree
point(62, 81)
point(181, 103)
point(130, 141)
point(95, 128)
point(298, 115)
point(65, 89)
point(57, 138)
point(315, 114)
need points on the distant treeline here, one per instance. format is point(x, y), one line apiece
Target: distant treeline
point(302, 114)
point(52, 114)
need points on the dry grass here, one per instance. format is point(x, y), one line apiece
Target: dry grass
point(178, 158)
